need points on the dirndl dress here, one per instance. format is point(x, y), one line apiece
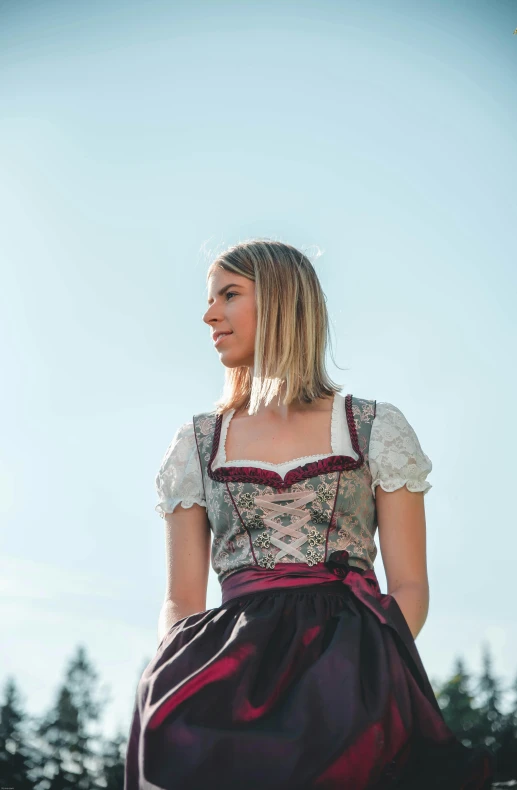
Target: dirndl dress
point(306, 677)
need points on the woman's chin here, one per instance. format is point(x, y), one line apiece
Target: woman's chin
point(233, 360)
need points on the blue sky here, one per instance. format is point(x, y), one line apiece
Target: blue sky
point(137, 140)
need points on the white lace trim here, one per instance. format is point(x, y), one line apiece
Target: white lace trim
point(411, 485)
point(340, 434)
point(395, 456)
point(169, 505)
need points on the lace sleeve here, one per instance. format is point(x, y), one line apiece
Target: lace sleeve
point(179, 476)
point(395, 455)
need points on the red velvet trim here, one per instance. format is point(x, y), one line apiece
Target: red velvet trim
point(254, 474)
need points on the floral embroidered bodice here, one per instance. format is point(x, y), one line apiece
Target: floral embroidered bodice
point(301, 511)
point(260, 518)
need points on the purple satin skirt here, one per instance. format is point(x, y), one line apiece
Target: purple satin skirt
point(305, 678)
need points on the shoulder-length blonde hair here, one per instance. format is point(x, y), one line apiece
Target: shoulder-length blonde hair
point(292, 327)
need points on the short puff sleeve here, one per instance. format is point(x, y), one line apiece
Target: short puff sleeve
point(395, 455)
point(179, 477)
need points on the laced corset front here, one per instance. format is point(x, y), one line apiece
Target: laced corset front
point(299, 517)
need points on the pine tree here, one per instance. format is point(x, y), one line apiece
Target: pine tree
point(113, 761)
point(456, 702)
point(14, 752)
point(507, 740)
point(69, 750)
point(490, 692)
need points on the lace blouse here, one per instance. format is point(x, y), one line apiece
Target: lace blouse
point(395, 456)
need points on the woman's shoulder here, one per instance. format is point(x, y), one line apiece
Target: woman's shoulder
point(389, 413)
point(363, 409)
point(180, 446)
point(377, 409)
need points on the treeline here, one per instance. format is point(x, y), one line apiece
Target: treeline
point(64, 749)
point(472, 707)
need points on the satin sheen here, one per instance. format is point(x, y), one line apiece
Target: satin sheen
point(304, 677)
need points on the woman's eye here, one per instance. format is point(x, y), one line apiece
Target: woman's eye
point(233, 293)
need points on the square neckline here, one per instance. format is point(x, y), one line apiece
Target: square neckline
point(221, 449)
point(269, 477)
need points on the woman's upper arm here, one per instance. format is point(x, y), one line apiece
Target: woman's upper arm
point(182, 505)
point(399, 470)
point(187, 550)
point(402, 536)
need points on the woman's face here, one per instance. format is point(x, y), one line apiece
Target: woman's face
point(232, 308)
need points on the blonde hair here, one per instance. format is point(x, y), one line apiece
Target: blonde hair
point(292, 327)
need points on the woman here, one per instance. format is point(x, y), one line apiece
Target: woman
point(306, 676)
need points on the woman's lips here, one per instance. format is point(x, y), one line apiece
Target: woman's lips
point(221, 338)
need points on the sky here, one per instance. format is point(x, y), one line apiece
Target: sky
point(139, 140)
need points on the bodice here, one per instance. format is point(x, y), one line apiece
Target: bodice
point(260, 518)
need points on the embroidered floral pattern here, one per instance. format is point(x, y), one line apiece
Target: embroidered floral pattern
point(263, 541)
point(314, 556)
point(246, 501)
point(318, 516)
point(324, 493)
point(267, 561)
point(256, 522)
point(315, 537)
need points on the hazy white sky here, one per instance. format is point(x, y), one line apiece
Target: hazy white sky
point(139, 139)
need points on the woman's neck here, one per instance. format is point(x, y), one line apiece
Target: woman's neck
point(279, 412)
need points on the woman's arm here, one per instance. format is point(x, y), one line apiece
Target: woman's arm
point(402, 539)
point(187, 550)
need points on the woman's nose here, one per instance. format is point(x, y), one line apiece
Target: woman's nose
point(209, 315)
